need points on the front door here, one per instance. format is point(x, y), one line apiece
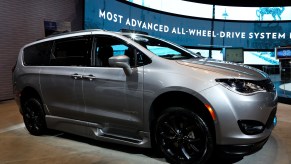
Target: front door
point(113, 99)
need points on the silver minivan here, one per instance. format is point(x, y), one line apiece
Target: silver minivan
point(142, 91)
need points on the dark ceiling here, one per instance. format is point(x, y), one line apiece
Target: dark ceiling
point(250, 3)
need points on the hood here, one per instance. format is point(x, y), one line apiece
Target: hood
point(229, 69)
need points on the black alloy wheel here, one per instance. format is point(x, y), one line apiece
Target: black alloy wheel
point(183, 136)
point(34, 117)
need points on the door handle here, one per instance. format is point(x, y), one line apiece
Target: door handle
point(89, 77)
point(76, 76)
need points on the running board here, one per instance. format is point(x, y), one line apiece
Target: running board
point(97, 131)
point(127, 139)
point(142, 142)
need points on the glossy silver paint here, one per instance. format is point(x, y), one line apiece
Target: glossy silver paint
point(106, 104)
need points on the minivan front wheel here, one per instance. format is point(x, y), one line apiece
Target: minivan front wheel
point(183, 136)
point(34, 117)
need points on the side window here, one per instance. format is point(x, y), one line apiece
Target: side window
point(108, 46)
point(72, 52)
point(162, 50)
point(38, 54)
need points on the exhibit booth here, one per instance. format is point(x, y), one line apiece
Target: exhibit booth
point(282, 80)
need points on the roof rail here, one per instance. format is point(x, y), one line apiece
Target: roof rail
point(60, 33)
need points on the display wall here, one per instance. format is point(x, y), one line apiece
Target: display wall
point(259, 38)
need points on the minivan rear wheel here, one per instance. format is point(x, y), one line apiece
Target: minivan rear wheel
point(34, 117)
point(183, 136)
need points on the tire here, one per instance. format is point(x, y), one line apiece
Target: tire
point(34, 117)
point(183, 136)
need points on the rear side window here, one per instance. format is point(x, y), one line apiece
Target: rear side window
point(72, 52)
point(38, 54)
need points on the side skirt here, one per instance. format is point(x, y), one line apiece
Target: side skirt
point(98, 132)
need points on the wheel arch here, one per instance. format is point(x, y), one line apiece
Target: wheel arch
point(180, 98)
point(27, 93)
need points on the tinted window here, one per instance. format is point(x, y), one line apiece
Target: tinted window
point(107, 46)
point(72, 52)
point(38, 54)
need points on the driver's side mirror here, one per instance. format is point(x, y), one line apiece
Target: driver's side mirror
point(122, 62)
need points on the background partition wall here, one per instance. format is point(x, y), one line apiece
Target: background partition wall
point(23, 22)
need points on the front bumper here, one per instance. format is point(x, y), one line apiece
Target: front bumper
point(230, 107)
point(240, 150)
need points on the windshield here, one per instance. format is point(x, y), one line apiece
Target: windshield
point(162, 48)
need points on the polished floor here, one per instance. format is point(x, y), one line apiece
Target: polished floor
point(18, 146)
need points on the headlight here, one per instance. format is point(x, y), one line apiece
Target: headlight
point(243, 86)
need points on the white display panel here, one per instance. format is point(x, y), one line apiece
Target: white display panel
point(221, 12)
point(178, 7)
point(253, 13)
point(235, 55)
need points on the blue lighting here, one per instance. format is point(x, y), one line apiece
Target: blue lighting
point(275, 121)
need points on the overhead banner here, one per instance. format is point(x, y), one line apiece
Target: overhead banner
point(115, 15)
